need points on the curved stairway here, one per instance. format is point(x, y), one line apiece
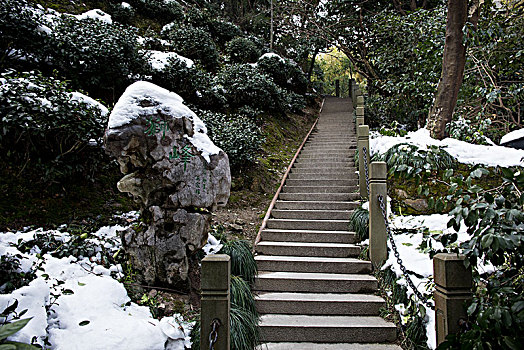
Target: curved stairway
point(313, 291)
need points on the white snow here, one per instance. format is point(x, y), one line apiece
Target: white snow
point(77, 96)
point(464, 152)
point(127, 109)
point(98, 312)
point(514, 135)
point(271, 54)
point(96, 14)
point(160, 59)
point(212, 246)
point(125, 5)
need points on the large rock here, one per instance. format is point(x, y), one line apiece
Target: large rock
point(176, 174)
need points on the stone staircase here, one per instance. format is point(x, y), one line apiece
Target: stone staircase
point(313, 291)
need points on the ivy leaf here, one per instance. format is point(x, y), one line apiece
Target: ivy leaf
point(9, 329)
point(84, 323)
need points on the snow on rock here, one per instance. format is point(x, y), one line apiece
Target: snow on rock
point(464, 152)
point(212, 246)
point(271, 54)
point(96, 14)
point(160, 59)
point(77, 96)
point(512, 136)
point(170, 103)
point(125, 5)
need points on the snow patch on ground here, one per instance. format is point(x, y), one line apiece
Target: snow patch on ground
point(464, 152)
point(96, 14)
point(86, 304)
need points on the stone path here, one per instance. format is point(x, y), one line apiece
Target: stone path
point(313, 291)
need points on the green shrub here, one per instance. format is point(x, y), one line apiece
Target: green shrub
point(359, 222)
point(394, 129)
point(194, 43)
point(224, 32)
point(45, 130)
point(238, 136)
point(162, 11)
point(12, 278)
point(241, 295)
point(19, 34)
point(178, 77)
point(242, 50)
point(294, 102)
point(285, 73)
point(244, 85)
point(121, 13)
point(472, 131)
point(242, 260)
point(97, 56)
point(244, 329)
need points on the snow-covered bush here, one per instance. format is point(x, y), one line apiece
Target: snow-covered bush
point(19, 29)
point(294, 102)
point(121, 12)
point(238, 136)
point(178, 77)
point(284, 72)
point(163, 11)
point(242, 50)
point(46, 128)
point(470, 131)
point(244, 85)
point(194, 43)
point(96, 55)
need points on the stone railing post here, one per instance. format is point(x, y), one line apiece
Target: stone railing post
point(362, 142)
point(360, 100)
point(378, 252)
point(453, 283)
point(337, 88)
point(360, 116)
point(215, 303)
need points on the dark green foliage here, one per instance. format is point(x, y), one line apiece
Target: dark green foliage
point(242, 296)
point(237, 135)
point(96, 56)
point(242, 260)
point(10, 325)
point(244, 85)
point(43, 129)
point(11, 277)
point(242, 50)
point(194, 43)
point(178, 77)
point(159, 10)
point(224, 32)
point(412, 162)
point(359, 222)
point(121, 13)
point(244, 329)
point(495, 221)
point(284, 72)
point(18, 30)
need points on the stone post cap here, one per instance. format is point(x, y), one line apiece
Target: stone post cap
point(449, 271)
point(216, 272)
point(378, 171)
point(363, 131)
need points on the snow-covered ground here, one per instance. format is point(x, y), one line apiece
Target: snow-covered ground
point(77, 303)
point(414, 258)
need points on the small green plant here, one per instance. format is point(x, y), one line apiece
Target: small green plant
point(359, 222)
point(393, 130)
point(11, 277)
point(9, 327)
point(242, 50)
point(241, 294)
point(243, 263)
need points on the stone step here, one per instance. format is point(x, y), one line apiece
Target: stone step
point(331, 250)
point(337, 197)
point(319, 304)
point(323, 164)
point(326, 158)
point(321, 170)
point(311, 214)
point(315, 282)
point(297, 224)
point(319, 189)
point(332, 329)
point(305, 175)
point(321, 182)
point(311, 205)
point(326, 346)
point(278, 235)
point(329, 148)
point(312, 264)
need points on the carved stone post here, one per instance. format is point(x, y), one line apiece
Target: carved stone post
point(362, 142)
point(215, 304)
point(453, 283)
point(337, 88)
point(360, 99)
point(378, 252)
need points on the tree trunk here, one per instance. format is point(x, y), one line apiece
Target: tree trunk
point(453, 64)
point(310, 70)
